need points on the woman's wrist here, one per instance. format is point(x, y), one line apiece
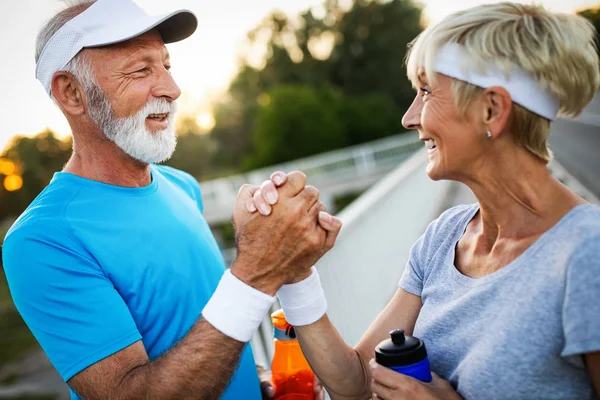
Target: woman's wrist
point(303, 302)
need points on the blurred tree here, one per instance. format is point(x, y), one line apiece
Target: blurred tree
point(369, 117)
point(194, 151)
point(369, 57)
point(296, 121)
point(593, 15)
point(359, 51)
point(36, 159)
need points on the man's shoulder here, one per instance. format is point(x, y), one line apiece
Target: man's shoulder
point(46, 212)
point(181, 179)
point(176, 176)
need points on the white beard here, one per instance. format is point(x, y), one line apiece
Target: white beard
point(130, 133)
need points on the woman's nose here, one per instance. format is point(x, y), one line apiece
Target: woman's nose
point(412, 117)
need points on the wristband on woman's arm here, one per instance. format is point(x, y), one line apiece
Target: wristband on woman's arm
point(304, 302)
point(236, 309)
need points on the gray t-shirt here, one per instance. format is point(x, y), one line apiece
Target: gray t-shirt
point(519, 332)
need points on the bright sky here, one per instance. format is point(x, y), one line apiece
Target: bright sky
point(202, 64)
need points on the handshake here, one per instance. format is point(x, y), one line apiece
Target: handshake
point(282, 230)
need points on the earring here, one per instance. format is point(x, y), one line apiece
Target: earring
point(489, 134)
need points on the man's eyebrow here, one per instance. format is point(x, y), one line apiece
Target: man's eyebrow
point(149, 58)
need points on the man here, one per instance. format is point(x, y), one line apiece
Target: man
point(112, 266)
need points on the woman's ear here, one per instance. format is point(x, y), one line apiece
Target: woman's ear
point(497, 105)
point(68, 93)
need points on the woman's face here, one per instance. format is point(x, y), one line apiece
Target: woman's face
point(455, 145)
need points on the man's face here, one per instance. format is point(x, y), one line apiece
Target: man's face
point(133, 97)
point(133, 73)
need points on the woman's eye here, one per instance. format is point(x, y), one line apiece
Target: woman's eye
point(425, 91)
point(143, 70)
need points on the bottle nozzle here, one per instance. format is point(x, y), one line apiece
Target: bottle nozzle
point(397, 336)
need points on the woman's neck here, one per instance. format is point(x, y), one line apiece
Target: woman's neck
point(518, 197)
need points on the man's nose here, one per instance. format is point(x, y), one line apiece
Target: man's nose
point(412, 117)
point(166, 87)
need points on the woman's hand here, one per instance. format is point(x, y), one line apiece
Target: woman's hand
point(268, 390)
point(391, 385)
point(266, 196)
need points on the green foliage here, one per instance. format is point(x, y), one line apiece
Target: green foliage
point(369, 117)
point(593, 15)
point(38, 158)
point(194, 153)
point(370, 57)
point(300, 120)
point(297, 122)
point(365, 68)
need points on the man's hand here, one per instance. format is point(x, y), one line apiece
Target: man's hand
point(265, 197)
point(282, 248)
point(268, 390)
point(391, 385)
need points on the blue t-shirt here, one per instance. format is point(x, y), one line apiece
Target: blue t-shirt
point(93, 268)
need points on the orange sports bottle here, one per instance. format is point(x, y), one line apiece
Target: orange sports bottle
point(292, 377)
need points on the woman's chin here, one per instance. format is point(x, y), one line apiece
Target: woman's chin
point(433, 172)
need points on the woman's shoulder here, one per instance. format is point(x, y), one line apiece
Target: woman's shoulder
point(581, 227)
point(443, 232)
point(451, 220)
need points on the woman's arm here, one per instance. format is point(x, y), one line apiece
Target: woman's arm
point(345, 371)
point(592, 362)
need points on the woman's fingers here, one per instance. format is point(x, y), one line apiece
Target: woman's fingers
point(261, 204)
point(278, 178)
point(269, 192)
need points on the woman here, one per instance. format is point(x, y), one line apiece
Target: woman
point(505, 293)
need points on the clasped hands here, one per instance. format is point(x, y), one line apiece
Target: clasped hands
point(282, 248)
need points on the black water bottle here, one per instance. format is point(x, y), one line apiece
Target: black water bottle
point(404, 354)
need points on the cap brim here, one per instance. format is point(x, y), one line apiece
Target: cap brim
point(172, 27)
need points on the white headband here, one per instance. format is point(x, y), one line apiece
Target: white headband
point(107, 22)
point(452, 60)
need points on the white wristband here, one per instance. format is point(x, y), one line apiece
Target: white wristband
point(304, 302)
point(237, 309)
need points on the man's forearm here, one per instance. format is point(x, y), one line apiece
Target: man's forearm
point(339, 367)
point(200, 366)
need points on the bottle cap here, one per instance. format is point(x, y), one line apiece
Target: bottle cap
point(282, 329)
point(400, 350)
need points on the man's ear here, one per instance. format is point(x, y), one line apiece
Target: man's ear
point(497, 106)
point(68, 93)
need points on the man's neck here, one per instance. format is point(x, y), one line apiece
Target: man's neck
point(99, 159)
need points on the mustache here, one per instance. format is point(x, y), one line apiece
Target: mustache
point(159, 106)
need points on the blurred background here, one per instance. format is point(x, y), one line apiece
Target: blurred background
point(317, 85)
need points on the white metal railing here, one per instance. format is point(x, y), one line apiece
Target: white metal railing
point(334, 173)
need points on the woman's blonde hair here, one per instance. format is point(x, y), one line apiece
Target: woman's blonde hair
point(558, 50)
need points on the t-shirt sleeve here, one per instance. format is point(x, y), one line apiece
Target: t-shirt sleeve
point(70, 306)
point(412, 277)
point(197, 194)
point(581, 308)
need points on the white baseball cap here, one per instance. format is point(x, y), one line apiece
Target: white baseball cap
point(107, 22)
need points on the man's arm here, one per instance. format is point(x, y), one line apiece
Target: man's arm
point(344, 371)
point(180, 373)
point(271, 251)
